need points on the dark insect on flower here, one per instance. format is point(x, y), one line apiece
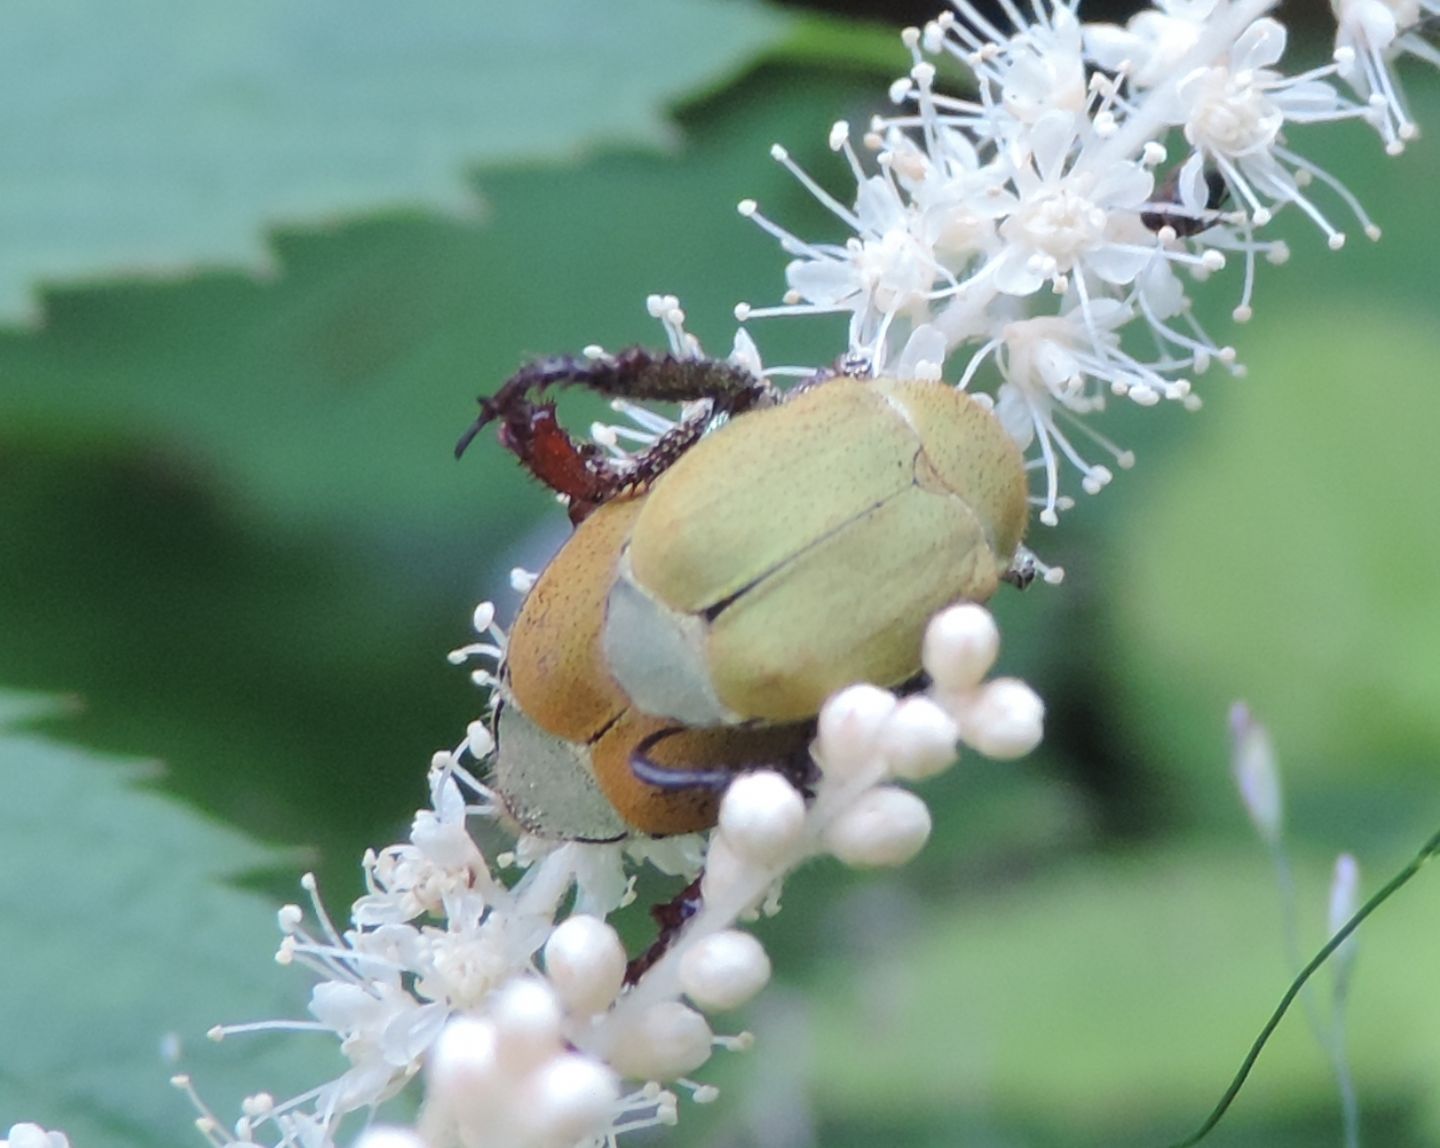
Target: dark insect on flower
point(1183, 221)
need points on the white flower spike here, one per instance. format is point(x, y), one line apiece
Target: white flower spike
point(1029, 229)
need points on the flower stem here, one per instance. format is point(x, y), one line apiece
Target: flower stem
point(1391, 887)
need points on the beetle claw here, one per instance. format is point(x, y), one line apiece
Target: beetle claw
point(488, 414)
point(1022, 573)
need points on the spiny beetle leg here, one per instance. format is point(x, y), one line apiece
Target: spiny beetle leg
point(634, 373)
point(579, 470)
point(530, 431)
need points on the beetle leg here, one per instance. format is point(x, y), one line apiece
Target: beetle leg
point(671, 918)
point(636, 373)
point(633, 373)
point(667, 777)
point(579, 470)
point(799, 769)
point(530, 431)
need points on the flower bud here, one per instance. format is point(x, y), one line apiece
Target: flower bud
point(527, 1020)
point(465, 1073)
point(919, 739)
point(885, 826)
point(1252, 763)
point(666, 1041)
point(762, 817)
point(1005, 719)
point(569, 1099)
point(724, 970)
point(1344, 900)
point(849, 729)
point(1344, 892)
point(585, 963)
point(376, 1136)
point(960, 646)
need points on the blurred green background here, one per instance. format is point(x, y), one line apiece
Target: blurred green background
point(258, 261)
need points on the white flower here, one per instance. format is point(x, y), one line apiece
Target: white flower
point(763, 817)
point(887, 269)
point(1369, 35)
point(1059, 219)
point(1036, 68)
point(1232, 114)
point(1252, 764)
point(1153, 43)
point(1046, 177)
point(886, 826)
point(953, 192)
point(440, 864)
point(1344, 901)
point(724, 970)
point(1059, 368)
point(585, 962)
point(1044, 69)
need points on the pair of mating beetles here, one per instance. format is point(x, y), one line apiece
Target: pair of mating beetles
point(721, 584)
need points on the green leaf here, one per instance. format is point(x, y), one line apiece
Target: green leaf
point(335, 391)
point(818, 38)
point(230, 512)
point(150, 135)
point(124, 942)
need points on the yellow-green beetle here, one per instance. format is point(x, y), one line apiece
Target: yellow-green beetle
point(802, 548)
point(723, 583)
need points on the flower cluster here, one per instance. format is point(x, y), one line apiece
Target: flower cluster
point(1050, 222)
point(517, 998)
